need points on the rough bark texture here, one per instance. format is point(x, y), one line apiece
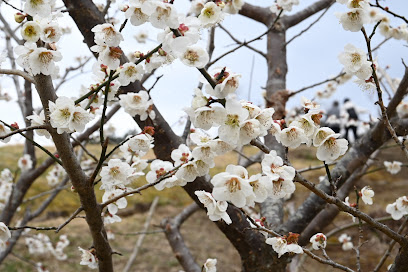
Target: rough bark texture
point(79, 180)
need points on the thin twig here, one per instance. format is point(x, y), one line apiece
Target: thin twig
point(316, 84)
point(307, 28)
point(239, 42)
point(250, 41)
point(18, 131)
point(380, 101)
point(325, 261)
point(139, 242)
point(390, 246)
point(73, 216)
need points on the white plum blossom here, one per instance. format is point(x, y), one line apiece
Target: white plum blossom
point(393, 167)
point(354, 59)
point(137, 104)
point(56, 175)
point(189, 35)
point(88, 258)
point(282, 245)
point(118, 204)
point(308, 104)
point(31, 31)
point(232, 186)
point(41, 8)
point(109, 218)
point(229, 131)
point(158, 169)
point(115, 174)
point(194, 56)
point(367, 195)
point(354, 19)
point(108, 55)
point(346, 242)
point(402, 204)
point(5, 235)
point(42, 61)
point(249, 130)
point(141, 36)
point(197, 6)
point(25, 163)
point(24, 52)
point(210, 15)
point(164, 15)
point(141, 143)
point(4, 131)
point(181, 155)
point(206, 117)
point(319, 240)
point(135, 13)
point(130, 72)
point(262, 186)
point(399, 208)
point(227, 83)
point(210, 265)
point(216, 210)
point(50, 31)
point(332, 148)
point(292, 136)
point(402, 109)
point(233, 6)
point(66, 117)
point(39, 120)
point(106, 34)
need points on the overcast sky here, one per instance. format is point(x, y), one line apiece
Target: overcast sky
point(311, 58)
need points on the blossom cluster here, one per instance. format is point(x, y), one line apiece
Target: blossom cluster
point(285, 244)
point(40, 244)
point(283, 5)
point(399, 208)
point(306, 130)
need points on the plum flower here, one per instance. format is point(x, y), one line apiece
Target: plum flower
point(393, 167)
point(210, 15)
point(318, 241)
point(346, 242)
point(232, 186)
point(210, 265)
point(194, 56)
point(282, 245)
point(216, 210)
point(88, 258)
point(31, 31)
point(106, 34)
point(115, 174)
point(367, 194)
point(25, 163)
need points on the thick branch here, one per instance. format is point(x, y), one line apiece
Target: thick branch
point(171, 227)
point(296, 18)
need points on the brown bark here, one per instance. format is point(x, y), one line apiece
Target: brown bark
point(79, 180)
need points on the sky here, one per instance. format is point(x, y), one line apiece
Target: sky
point(311, 58)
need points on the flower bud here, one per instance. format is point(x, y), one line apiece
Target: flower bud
point(15, 125)
point(19, 17)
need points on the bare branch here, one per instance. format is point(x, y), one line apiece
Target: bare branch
point(17, 131)
point(326, 261)
point(239, 42)
point(139, 242)
point(309, 27)
point(342, 206)
point(296, 18)
point(17, 73)
point(171, 226)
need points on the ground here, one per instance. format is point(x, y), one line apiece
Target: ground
point(201, 235)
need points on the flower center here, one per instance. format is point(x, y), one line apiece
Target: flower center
point(233, 185)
